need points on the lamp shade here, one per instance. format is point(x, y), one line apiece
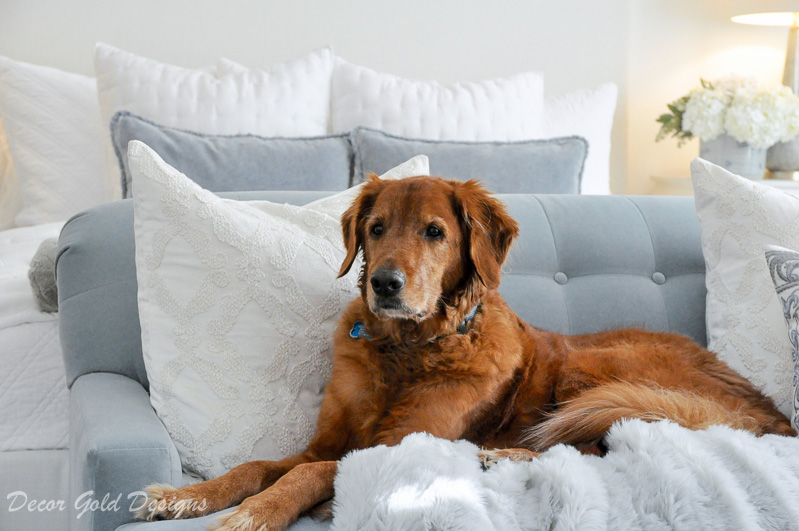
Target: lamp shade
point(765, 12)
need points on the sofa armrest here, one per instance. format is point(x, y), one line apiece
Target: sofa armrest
point(117, 446)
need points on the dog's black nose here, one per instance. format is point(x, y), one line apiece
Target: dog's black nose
point(387, 282)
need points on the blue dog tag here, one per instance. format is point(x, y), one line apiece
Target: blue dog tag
point(358, 332)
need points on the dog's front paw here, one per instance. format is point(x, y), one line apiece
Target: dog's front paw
point(489, 458)
point(259, 513)
point(165, 502)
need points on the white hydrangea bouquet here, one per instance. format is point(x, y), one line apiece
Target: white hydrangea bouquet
point(734, 106)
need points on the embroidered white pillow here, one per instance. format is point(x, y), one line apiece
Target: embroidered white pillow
point(57, 140)
point(238, 302)
point(745, 324)
point(587, 113)
point(496, 109)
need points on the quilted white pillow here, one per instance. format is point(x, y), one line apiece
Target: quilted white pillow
point(745, 323)
point(587, 113)
point(287, 99)
point(57, 140)
point(496, 109)
point(237, 302)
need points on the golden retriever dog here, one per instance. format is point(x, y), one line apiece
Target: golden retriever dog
point(431, 346)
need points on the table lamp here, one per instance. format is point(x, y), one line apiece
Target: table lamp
point(783, 158)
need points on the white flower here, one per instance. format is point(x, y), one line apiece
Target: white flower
point(732, 85)
point(704, 113)
point(734, 105)
point(764, 118)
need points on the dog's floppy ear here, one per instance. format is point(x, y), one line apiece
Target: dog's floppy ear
point(488, 230)
point(352, 221)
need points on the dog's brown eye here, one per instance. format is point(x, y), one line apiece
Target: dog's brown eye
point(377, 229)
point(433, 232)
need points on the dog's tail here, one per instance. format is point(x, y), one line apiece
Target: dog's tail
point(587, 418)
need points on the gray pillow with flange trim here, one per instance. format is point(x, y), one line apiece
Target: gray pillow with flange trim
point(552, 166)
point(235, 163)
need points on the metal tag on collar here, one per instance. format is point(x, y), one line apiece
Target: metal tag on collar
point(464, 326)
point(357, 331)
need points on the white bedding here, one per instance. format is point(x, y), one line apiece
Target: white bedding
point(33, 392)
point(33, 388)
point(17, 247)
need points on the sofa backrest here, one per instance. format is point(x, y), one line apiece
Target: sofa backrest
point(582, 264)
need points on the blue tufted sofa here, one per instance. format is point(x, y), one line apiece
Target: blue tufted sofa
point(582, 264)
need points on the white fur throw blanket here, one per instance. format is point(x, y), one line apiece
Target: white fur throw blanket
point(655, 477)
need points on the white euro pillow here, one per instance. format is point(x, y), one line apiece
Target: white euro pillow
point(286, 99)
point(587, 113)
point(57, 141)
point(501, 109)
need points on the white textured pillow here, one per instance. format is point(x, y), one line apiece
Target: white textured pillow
point(57, 140)
point(496, 109)
point(237, 302)
point(587, 113)
point(10, 195)
point(287, 99)
point(745, 324)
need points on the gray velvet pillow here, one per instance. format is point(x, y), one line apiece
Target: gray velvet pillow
point(552, 166)
point(238, 162)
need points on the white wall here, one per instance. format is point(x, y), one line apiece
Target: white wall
point(577, 43)
point(654, 50)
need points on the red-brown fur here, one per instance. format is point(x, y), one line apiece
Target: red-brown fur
point(502, 384)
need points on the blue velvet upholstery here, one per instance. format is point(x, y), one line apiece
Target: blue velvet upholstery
point(305, 523)
point(582, 264)
point(117, 445)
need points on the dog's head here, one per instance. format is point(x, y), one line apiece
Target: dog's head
point(426, 241)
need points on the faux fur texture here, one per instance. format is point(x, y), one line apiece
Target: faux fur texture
point(656, 476)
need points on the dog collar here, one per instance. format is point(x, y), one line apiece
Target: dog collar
point(358, 331)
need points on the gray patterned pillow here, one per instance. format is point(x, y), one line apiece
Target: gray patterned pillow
point(783, 264)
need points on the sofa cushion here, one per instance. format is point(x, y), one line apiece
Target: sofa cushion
point(306, 523)
point(529, 166)
point(225, 163)
point(586, 264)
